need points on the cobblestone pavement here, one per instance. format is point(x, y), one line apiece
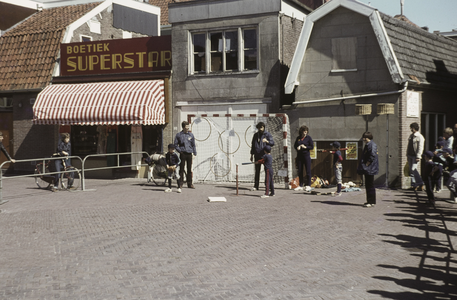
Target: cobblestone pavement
point(124, 239)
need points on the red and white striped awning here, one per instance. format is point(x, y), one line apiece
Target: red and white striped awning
point(101, 103)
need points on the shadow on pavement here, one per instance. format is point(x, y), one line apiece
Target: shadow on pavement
point(435, 276)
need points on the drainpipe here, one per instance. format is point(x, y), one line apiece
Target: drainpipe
point(405, 86)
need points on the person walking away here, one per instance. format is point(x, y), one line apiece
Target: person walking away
point(303, 144)
point(185, 145)
point(63, 149)
point(260, 139)
point(337, 166)
point(430, 175)
point(173, 162)
point(414, 152)
point(4, 149)
point(369, 166)
point(267, 161)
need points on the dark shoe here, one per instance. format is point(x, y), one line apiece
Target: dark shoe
point(191, 186)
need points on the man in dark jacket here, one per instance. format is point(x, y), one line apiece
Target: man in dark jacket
point(260, 139)
point(4, 149)
point(63, 150)
point(369, 166)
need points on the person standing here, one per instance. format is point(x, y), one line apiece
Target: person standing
point(303, 144)
point(4, 149)
point(414, 153)
point(260, 139)
point(173, 163)
point(63, 150)
point(369, 166)
point(267, 161)
point(185, 145)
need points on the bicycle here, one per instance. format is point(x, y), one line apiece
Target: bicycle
point(70, 178)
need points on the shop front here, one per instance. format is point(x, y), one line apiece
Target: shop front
point(111, 113)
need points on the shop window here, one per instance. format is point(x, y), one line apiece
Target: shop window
point(344, 51)
point(231, 50)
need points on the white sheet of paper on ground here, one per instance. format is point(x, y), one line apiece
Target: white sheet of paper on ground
point(217, 199)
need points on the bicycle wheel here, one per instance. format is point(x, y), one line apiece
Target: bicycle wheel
point(70, 179)
point(40, 180)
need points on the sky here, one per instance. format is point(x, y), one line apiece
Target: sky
point(437, 15)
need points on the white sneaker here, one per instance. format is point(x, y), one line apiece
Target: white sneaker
point(308, 188)
point(264, 196)
point(298, 188)
point(253, 189)
point(168, 190)
point(179, 190)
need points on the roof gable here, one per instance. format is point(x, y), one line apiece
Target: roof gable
point(29, 50)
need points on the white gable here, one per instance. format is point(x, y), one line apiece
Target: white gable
point(358, 7)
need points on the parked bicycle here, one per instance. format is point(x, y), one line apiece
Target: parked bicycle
point(70, 177)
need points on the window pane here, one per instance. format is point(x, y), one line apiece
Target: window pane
point(250, 39)
point(199, 46)
point(250, 60)
point(231, 51)
point(216, 62)
point(250, 49)
point(216, 41)
point(199, 42)
point(199, 62)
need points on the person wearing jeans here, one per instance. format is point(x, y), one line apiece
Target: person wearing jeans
point(414, 154)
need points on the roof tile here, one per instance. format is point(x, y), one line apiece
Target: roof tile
point(28, 50)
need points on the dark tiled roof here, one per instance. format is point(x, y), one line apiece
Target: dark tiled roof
point(28, 51)
point(429, 57)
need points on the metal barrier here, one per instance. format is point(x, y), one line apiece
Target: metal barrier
point(32, 175)
point(84, 169)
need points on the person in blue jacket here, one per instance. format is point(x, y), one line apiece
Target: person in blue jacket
point(63, 150)
point(260, 139)
point(185, 145)
point(369, 166)
point(303, 144)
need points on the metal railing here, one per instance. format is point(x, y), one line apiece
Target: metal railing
point(84, 169)
point(43, 173)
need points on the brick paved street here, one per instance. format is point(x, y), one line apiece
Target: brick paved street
point(127, 240)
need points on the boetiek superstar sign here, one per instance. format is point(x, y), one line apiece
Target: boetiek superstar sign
point(116, 56)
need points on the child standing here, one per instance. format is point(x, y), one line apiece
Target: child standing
point(173, 162)
point(430, 175)
point(337, 166)
point(267, 161)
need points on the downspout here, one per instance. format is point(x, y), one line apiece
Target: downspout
point(405, 86)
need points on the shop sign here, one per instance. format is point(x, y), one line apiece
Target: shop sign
point(116, 56)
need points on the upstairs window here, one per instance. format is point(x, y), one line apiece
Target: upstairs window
point(344, 52)
point(231, 50)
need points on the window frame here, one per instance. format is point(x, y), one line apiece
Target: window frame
point(208, 52)
point(337, 43)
